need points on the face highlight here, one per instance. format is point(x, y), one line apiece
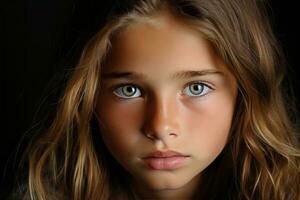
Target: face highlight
point(163, 88)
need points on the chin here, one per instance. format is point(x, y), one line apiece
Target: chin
point(164, 180)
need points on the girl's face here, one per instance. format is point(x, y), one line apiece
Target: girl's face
point(164, 89)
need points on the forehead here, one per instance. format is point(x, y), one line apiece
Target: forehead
point(164, 40)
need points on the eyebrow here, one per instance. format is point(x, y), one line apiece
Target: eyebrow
point(177, 75)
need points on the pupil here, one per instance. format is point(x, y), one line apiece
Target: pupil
point(129, 89)
point(196, 87)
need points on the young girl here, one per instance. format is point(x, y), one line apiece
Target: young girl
point(178, 99)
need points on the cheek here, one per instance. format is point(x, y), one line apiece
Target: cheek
point(119, 124)
point(208, 122)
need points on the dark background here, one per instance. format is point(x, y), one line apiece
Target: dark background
point(40, 41)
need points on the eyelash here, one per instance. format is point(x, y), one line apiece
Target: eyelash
point(120, 88)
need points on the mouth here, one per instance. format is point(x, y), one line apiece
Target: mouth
point(167, 160)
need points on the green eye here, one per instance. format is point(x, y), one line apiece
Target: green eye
point(127, 91)
point(196, 89)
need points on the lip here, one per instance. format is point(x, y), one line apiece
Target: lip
point(166, 160)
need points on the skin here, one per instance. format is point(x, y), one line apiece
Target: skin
point(198, 126)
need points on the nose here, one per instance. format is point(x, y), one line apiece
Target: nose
point(162, 120)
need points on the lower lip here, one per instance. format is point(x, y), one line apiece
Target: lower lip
point(166, 163)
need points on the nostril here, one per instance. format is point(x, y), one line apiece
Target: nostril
point(150, 136)
point(154, 136)
point(173, 135)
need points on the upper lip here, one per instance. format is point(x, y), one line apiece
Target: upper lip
point(163, 154)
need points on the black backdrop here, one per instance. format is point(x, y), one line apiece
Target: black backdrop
point(41, 40)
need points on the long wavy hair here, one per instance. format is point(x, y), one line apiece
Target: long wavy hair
point(261, 159)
